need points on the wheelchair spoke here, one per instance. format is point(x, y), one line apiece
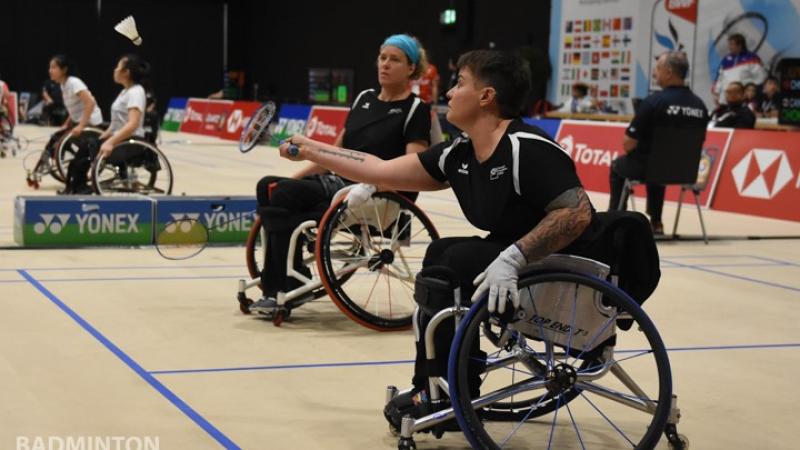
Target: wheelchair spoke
point(389, 288)
point(612, 394)
point(591, 344)
point(553, 424)
point(613, 425)
point(369, 297)
point(575, 426)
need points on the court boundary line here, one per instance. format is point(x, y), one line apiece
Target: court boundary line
point(410, 361)
point(132, 364)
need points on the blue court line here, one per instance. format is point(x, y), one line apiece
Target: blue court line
point(740, 277)
point(157, 385)
point(410, 361)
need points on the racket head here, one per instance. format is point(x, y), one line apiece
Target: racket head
point(256, 127)
point(182, 239)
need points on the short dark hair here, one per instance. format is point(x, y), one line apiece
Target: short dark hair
point(737, 83)
point(739, 39)
point(581, 87)
point(771, 78)
point(66, 64)
point(138, 68)
point(508, 73)
point(678, 63)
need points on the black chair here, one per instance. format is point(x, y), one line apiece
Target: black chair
point(674, 159)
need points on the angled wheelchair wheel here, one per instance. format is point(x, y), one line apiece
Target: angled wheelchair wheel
point(134, 167)
point(256, 252)
point(380, 244)
point(65, 152)
point(562, 372)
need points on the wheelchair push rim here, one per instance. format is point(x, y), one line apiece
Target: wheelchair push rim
point(380, 244)
point(620, 400)
point(148, 173)
point(65, 152)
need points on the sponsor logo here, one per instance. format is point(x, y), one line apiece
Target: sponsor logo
point(234, 121)
point(290, 126)
point(215, 221)
point(192, 115)
point(366, 105)
point(556, 326)
point(582, 153)
point(762, 173)
point(497, 172)
point(89, 207)
point(51, 222)
point(464, 169)
point(318, 127)
point(395, 111)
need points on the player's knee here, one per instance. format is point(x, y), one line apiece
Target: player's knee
point(435, 289)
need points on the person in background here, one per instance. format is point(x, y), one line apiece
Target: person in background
point(232, 86)
point(751, 96)
point(734, 113)
point(739, 65)
point(426, 87)
point(581, 101)
point(768, 101)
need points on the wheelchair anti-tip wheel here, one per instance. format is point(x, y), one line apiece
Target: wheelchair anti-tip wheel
point(380, 244)
point(559, 372)
point(65, 150)
point(134, 167)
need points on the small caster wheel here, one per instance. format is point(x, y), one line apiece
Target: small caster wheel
point(682, 445)
point(406, 444)
point(277, 317)
point(393, 432)
point(244, 304)
point(29, 181)
point(35, 185)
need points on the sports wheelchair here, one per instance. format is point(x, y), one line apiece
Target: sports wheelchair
point(558, 372)
point(135, 166)
point(364, 258)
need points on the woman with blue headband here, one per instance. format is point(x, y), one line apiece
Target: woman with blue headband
point(386, 122)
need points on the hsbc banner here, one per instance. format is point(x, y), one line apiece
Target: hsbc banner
point(204, 116)
point(292, 119)
point(594, 145)
point(240, 113)
point(326, 122)
point(59, 221)
point(761, 175)
point(228, 219)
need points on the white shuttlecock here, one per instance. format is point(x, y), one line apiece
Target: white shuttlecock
point(127, 28)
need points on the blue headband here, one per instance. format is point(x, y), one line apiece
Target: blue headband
point(405, 43)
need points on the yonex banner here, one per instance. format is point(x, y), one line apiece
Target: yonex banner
point(60, 221)
point(240, 113)
point(175, 112)
point(325, 123)
point(761, 175)
point(228, 219)
point(292, 119)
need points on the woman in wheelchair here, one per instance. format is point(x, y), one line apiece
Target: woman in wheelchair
point(514, 182)
point(385, 123)
point(127, 121)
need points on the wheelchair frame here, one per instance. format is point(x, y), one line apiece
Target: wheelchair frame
point(98, 164)
point(556, 263)
point(314, 287)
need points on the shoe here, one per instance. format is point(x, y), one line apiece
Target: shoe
point(658, 228)
point(83, 190)
point(65, 191)
point(415, 404)
point(265, 305)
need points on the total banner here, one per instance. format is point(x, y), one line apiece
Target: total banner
point(594, 145)
point(326, 122)
point(761, 175)
point(204, 116)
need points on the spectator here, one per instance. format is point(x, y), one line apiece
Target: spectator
point(734, 113)
point(581, 101)
point(676, 106)
point(769, 99)
point(739, 65)
point(750, 96)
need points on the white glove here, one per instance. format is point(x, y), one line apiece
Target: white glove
point(359, 194)
point(500, 278)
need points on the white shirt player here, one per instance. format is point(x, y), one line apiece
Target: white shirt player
point(132, 97)
point(70, 90)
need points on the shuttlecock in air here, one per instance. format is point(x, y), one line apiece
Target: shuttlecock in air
point(127, 28)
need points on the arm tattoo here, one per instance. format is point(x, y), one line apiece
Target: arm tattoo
point(567, 217)
point(342, 153)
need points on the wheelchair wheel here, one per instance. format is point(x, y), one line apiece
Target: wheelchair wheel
point(554, 370)
point(380, 244)
point(256, 253)
point(145, 171)
point(66, 149)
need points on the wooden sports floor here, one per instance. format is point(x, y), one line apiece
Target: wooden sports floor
point(120, 342)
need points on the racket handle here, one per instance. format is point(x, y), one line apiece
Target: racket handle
point(293, 150)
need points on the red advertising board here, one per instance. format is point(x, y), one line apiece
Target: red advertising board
point(594, 145)
point(761, 175)
point(205, 116)
point(240, 113)
point(326, 122)
point(12, 108)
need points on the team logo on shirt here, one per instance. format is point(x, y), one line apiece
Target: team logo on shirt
point(497, 172)
point(396, 111)
point(463, 169)
point(366, 105)
point(673, 110)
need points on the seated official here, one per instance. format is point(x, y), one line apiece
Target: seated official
point(736, 114)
